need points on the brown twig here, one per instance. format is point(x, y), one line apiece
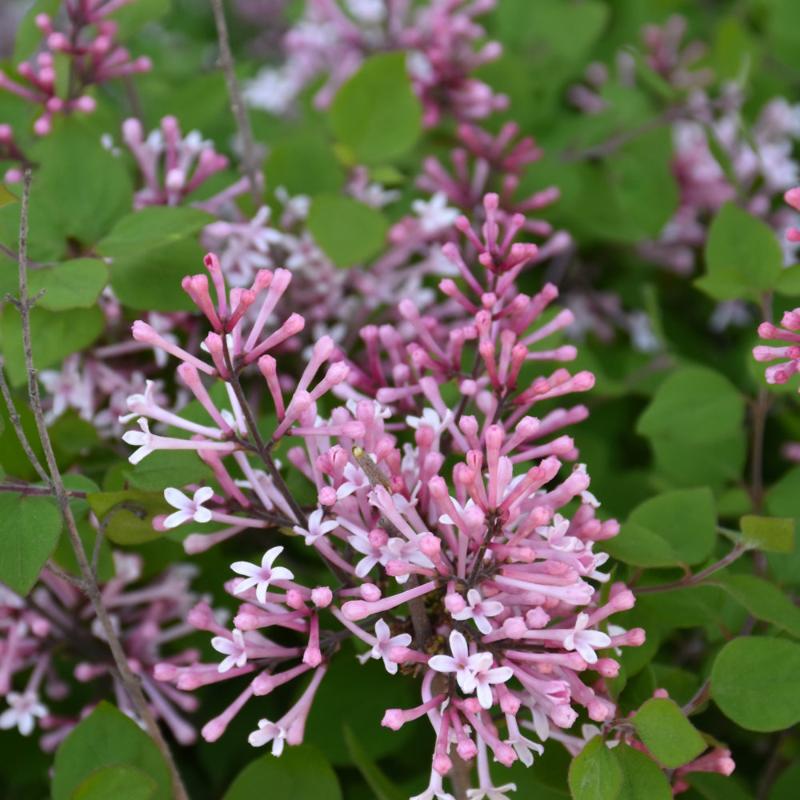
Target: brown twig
point(249, 154)
point(700, 697)
point(55, 481)
point(698, 577)
point(38, 491)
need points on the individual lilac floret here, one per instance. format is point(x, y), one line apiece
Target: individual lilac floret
point(261, 576)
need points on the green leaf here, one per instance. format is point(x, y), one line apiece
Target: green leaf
point(630, 195)
point(29, 531)
point(300, 772)
point(28, 36)
point(72, 284)
point(667, 734)
point(84, 189)
point(376, 113)
point(685, 463)
point(641, 776)
point(694, 424)
point(772, 534)
point(128, 515)
point(168, 468)
point(556, 31)
point(152, 227)
point(382, 787)
point(54, 335)
point(754, 682)
point(120, 782)
point(787, 786)
point(672, 528)
point(594, 773)
point(107, 738)
point(134, 16)
point(6, 197)
point(305, 164)
point(348, 231)
point(151, 280)
point(743, 256)
point(695, 404)
point(638, 545)
point(789, 282)
point(763, 600)
point(64, 555)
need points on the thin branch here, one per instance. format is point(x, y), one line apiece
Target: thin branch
point(16, 424)
point(249, 153)
point(39, 491)
point(65, 576)
point(262, 448)
point(620, 139)
point(9, 253)
point(701, 696)
point(698, 577)
point(127, 677)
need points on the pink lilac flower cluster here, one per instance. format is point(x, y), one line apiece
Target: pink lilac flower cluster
point(664, 51)
point(332, 40)
point(762, 167)
point(460, 547)
point(92, 53)
point(56, 619)
point(173, 166)
point(758, 165)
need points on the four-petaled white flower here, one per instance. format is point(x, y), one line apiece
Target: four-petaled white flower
point(262, 576)
point(384, 644)
point(486, 677)
point(492, 792)
point(584, 641)
point(372, 555)
point(269, 732)
point(143, 440)
point(188, 508)
point(316, 527)
point(434, 214)
point(354, 479)
point(234, 650)
point(464, 665)
point(479, 610)
point(23, 708)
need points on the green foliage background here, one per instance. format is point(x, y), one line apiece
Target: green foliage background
point(668, 441)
